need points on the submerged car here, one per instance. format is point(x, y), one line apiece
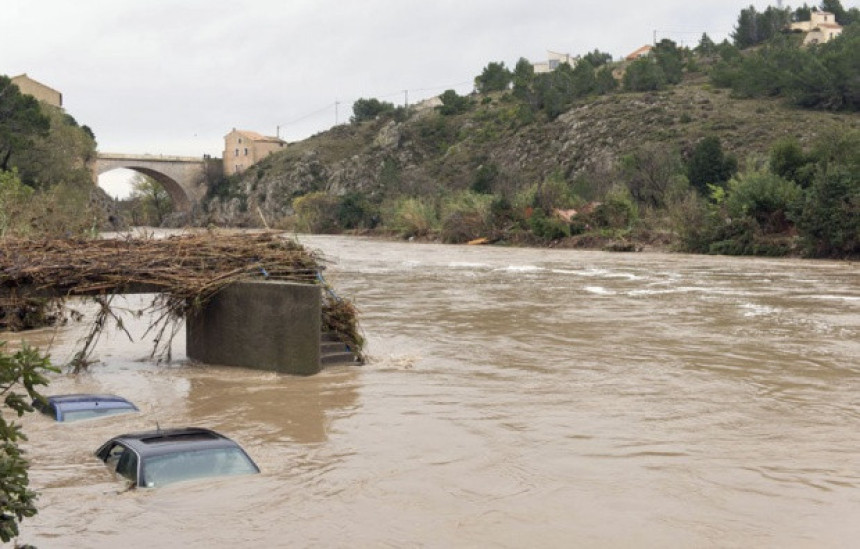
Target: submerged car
point(83, 406)
point(156, 458)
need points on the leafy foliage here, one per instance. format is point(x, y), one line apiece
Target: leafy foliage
point(24, 369)
point(316, 212)
point(368, 109)
point(708, 165)
point(495, 77)
point(821, 77)
point(653, 174)
point(60, 156)
point(754, 27)
point(21, 121)
point(465, 216)
point(829, 222)
point(454, 104)
point(597, 58)
point(644, 74)
point(355, 211)
point(151, 202)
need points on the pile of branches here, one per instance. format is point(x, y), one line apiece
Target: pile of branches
point(183, 270)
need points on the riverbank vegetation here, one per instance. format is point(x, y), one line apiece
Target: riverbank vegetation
point(745, 147)
point(46, 186)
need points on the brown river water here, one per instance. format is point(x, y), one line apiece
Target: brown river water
point(514, 398)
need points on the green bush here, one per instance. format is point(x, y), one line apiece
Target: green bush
point(412, 217)
point(27, 369)
point(547, 227)
point(465, 216)
point(618, 210)
point(355, 211)
point(316, 212)
point(829, 222)
point(765, 198)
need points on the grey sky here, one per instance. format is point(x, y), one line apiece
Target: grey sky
point(172, 77)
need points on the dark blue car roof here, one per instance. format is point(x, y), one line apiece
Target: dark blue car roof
point(168, 441)
point(58, 405)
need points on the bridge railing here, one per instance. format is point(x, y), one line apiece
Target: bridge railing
point(150, 157)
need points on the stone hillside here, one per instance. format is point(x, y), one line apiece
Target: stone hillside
point(427, 150)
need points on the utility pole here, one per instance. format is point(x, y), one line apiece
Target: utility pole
point(406, 98)
point(336, 103)
point(278, 132)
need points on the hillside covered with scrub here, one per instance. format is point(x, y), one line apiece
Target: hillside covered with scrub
point(744, 148)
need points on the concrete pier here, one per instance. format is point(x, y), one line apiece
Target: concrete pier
point(267, 325)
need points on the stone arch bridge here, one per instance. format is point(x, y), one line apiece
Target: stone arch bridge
point(184, 178)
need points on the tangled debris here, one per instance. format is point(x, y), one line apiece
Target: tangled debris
point(183, 270)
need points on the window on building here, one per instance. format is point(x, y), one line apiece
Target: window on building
point(237, 152)
point(240, 140)
point(246, 151)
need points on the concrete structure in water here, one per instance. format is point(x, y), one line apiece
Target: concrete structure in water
point(265, 325)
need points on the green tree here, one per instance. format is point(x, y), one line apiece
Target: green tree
point(153, 200)
point(495, 77)
point(670, 59)
point(368, 109)
point(25, 369)
point(523, 77)
point(706, 45)
point(644, 74)
point(835, 7)
point(604, 81)
point(803, 13)
point(746, 32)
point(583, 80)
point(829, 223)
point(597, 58)
point(708, 165)
point(787, 160)
point(652, 174)
point(63, 155)
point(554, 91)
point(454, 104)
point(763, 197)
point(754, 28)
point(21, 121)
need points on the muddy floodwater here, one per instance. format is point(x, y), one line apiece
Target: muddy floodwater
point(514, 398)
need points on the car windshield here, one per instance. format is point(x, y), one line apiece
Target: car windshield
point(179, 466)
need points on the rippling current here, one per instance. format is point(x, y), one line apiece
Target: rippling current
point(514, 398)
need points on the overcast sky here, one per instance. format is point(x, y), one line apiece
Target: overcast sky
point(174, 76)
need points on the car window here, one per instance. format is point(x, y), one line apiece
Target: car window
point(179, 466)
point(76, 415)
point(127, 464)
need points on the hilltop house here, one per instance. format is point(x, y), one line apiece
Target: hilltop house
point(639, 52)
point(554, 59)
point(38, 90)
point(244, 148)
point(821, 27)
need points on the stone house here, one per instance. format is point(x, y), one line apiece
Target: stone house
point(554, 59)
point(821, 27)
point(243, 148)
point(38, 90)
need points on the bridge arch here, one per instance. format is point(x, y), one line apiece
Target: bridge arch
point(183, 178)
